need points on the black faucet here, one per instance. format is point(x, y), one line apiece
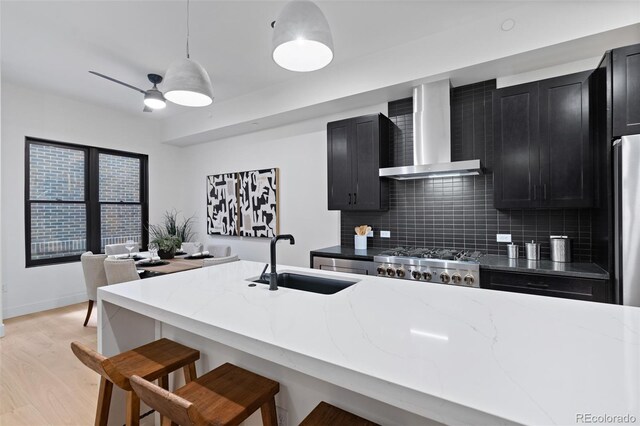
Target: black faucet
point(273, 276)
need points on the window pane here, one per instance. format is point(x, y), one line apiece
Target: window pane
point(119, 178)
point(57, 230)
point(120, 223)
point(56, 173)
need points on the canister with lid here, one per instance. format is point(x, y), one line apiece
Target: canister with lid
point(560, 248)
point(533, 250)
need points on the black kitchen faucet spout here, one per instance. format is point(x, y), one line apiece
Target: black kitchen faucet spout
point(273, 276)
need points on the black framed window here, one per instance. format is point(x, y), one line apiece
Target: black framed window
point(80, 198)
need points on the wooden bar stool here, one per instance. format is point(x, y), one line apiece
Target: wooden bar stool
point(152, 361)
point(227, 395)
point(327, 414)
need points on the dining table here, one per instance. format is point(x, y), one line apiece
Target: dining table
point(179, 263)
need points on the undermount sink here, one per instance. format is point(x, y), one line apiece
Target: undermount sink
point(314, 284)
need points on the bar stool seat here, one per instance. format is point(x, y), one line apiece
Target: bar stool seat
point(152, 361)
point(227, 395)
point(327, 414)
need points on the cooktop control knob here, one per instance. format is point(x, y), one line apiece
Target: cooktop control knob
point(391, 272)
point(416, 275)
point(381, 270)
point(427, 276)
point(469, 279)
point(456, 278)
point(444, 277)
point(400, 273)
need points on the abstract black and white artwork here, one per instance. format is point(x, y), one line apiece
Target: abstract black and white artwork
point(222, 204)
point(258, 198)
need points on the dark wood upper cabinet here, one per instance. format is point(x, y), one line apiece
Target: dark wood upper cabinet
point(542, 145)
point(566, 171)
point(356, 149)
point(626, 90)
point(517, 178)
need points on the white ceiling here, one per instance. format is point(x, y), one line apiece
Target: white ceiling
point(52, 44)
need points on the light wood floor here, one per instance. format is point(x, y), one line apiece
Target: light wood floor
point(41, 381)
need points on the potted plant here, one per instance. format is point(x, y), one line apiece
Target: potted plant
point(170, 235)
point(167, 245)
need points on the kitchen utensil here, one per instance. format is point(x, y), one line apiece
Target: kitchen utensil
point(560, 248)
point(533, 251)
point(512, 251)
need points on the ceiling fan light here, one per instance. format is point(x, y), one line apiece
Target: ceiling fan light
point(302, 38)
point(154, 99)
point(187, 83)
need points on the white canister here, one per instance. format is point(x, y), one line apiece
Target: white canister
point(360, 242)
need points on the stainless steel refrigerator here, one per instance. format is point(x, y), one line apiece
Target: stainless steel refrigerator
point(626, 172)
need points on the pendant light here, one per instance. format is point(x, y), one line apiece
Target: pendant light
point(302, 38)
point(187, 82)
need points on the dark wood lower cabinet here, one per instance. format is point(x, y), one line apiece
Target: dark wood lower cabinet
point(547, 285)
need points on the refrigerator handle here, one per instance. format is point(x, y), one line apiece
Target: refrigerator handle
point(616, 142)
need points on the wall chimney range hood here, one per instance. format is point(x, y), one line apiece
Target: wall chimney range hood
point(432, 138)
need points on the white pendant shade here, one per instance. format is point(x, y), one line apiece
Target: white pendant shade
point(187, 83)
point(154, 99)
point(302, 38)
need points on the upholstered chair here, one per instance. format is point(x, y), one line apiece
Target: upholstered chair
point(120, 270)
point(113, 249)
point(219, 260)
point(94, 277)
point(191, 248)
point(219, 250)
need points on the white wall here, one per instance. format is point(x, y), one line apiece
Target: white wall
point(26, 112)
point(300, 152)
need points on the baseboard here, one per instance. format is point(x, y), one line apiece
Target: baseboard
point(44, 305)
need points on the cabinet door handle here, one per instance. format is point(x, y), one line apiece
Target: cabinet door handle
point(534, 192)
point(355, 198)
point(349, 198)
point(535, 285)
point(544, 191)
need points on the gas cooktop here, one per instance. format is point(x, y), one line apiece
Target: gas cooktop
point(446, 266)
point(433, 253)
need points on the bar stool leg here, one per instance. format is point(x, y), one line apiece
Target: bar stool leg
point(189, 372)
point(163, 382)
point(268, 411)
point(104, 402)
point(133, 409)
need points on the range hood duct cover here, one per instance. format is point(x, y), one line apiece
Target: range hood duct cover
point(432, 138)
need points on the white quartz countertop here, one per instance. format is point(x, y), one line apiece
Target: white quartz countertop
point(456, 355)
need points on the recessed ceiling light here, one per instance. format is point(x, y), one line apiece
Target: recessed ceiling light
point(508, 24)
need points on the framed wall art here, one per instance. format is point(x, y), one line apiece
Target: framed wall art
point(222, 204)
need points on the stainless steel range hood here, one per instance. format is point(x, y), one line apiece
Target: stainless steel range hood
point(432, 138)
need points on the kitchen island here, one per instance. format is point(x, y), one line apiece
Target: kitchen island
point(394, 351)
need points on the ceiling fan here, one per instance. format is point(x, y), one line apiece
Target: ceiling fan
point(153, 98)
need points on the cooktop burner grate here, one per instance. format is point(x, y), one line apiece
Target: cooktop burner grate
point(433, 253)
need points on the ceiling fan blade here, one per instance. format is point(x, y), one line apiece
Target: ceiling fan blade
point(117, 81)
point(147, 109)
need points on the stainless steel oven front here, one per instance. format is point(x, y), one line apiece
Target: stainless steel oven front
point(362, 267)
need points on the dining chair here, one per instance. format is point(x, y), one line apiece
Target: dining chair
point(191, 248)
point(227, 395)
point(113, 249)
point(120, 270)
point(94, 277)
point(219, 260)
point(219, 250)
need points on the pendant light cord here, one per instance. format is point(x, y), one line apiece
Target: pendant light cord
point(187, 29)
